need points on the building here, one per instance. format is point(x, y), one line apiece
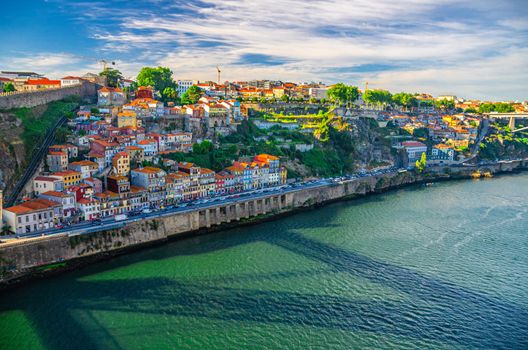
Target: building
point(414, 150)
point(183, 86)
point(71, 150)
point(43, 184)
point(57, 161)
point(68, 177)
point(31, 216)
point(121, 164)
point(90, 208)
point(69, 81)
point(144, 92)
point(128, 119)
point(41, 84)
point(118, 184)
point(318, 93)
point(442, 152)
point(87, 168)
point(108, 96)
point(153, 180)
point(65, 199)
point(150, 148)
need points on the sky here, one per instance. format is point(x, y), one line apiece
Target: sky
point(469, 48)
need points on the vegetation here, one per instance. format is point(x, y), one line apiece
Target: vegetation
point(444, 104)
point(421, 163)
point(192, 95)
point(342, 94)
point(501, 143)
point(113, 77)
point(499, 107)
point(159, 79)
point(36, 127)
point(9, 87)
point(380, 98)
point(404, 99)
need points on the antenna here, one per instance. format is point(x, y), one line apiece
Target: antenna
point(219, 71)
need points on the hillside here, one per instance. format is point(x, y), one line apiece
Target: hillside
point(21, 132)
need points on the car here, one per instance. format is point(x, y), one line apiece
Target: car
point(146, 211)
point(59, 226)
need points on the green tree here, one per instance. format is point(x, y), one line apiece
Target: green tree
point(285, 98)
point(470, 110)
point(192, 95)
point(377, 97)
point(159, 78)
point(113, 77)
point(94, 110)
point(263, 100)
point(404, 99)
point(9, 87)
point(445, 104)
point(169, 94)
point(421, 164)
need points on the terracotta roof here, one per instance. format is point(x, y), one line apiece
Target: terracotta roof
point(148, 170)
point(46, 178)
point(33, 205)
point(413, 144)
point(43, 82)
point(56, 194)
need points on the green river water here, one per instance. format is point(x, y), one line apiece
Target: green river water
point(438, 267)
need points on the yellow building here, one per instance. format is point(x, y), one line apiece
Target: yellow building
point(128, 119)
point(68, 177)
point(121, 164)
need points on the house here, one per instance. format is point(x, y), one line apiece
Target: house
point(153, 180)
point(144, 92)
point(118, 184)
point(41, 84)
point(108, 96)
point(57, 161)
point(94, 183)
point(106, 148)
point(47, 183)
point(121, 163)
point(442, 152)
point(414, 150)
point(128, 119)
point(136, 154)
point(65, 199)
point(149, 147)
point(68, 177)
point(70, 80)
point(87, 168)
point(71, 150)
point(90, 208)
point(31, 216)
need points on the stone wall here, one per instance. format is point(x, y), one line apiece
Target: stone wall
point(36, 98)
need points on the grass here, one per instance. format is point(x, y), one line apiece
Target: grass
point(36, 127)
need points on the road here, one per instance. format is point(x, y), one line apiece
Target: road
point(110, 223)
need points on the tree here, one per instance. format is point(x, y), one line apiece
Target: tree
point(169, 94)
point(9, 87)
point(444, 104)
point(421, 164)
point(263, 100)
point(285, 98)
point(159, 78)
point(94, 110)
point(113, 77)
point(378, 98)
point(470, 110)
point(192, 95)
point(343, 94)
point(404, 99)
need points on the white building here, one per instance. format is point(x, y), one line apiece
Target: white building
point(414, 150)
point(183, 86)
point(69, 81)
point(31, 216)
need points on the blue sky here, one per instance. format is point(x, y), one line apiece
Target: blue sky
point(474, 49)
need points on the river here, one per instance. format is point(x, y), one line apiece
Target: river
point(439, 267)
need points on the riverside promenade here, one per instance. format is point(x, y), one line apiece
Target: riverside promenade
point(28, 257)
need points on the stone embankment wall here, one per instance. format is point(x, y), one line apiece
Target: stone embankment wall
point(22, 259)
point(37, 98)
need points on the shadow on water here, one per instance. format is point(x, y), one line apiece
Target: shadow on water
point(433, 310)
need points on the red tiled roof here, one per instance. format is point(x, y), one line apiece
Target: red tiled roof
point(43, 82)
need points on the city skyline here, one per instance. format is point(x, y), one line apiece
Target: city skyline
point(441, 47)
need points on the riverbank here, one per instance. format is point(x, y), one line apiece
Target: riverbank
point(49, 256)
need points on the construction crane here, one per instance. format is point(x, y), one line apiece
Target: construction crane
point(105, 63)
point(218, 71)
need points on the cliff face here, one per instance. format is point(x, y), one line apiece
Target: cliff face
point(13, 151)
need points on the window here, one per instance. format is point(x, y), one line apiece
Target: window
point(19, 220)
point(40, 216)
point(27, 218)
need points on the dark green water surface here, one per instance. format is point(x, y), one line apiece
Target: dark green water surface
point(438, 267)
